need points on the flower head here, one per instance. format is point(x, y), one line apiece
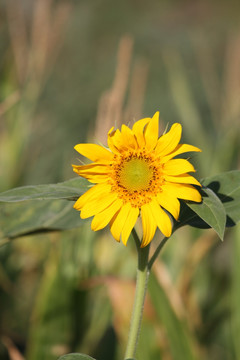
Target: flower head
point(137, 176)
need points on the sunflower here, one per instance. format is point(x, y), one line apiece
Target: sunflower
point(137, 175)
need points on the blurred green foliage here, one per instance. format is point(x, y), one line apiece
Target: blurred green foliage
point(70, 291)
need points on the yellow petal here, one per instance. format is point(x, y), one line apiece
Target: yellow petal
point(182, 179)
point(94, 152)
point(182, 191)
point(118, 221)
point(90, 169)
point(116, 141)
point(99, 190)
point(177, 167)
point(103, 218)
point(129, 224)
point(93, 172)
point(128, 137)
point(148, 223)
point(162, 219)
point(97, 205)
point(151, 132)
point(97, 179)
point(138, 128)
point(111, 145)
point(169, 202)
point(180, 149)
point(168, 142)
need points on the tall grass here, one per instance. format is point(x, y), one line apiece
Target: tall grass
point(72, 291)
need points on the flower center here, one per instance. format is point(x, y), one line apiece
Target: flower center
point(135, 175)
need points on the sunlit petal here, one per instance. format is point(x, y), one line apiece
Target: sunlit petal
point(138, 130)
point(149, 224)
point(162, 219)
point(119, 220)
point(168, 142)
point(182, 191)
point(97, 205)
point(129, 224)
point(129, 137)
point(183, 179)
point(97, 191)
point(180, 149)
point(137, 176)
point(169, 202)
point(151, 132)
point(94, 152)
point(103, 218)
point(178, 167)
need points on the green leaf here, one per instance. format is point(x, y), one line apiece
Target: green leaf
point(29, 217)
point(76, 356)
point(227, 188)
point(212, 211)
point(19, 216)
point(70, 190)
point(221, 194)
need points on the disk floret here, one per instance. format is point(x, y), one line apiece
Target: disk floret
point(136, 177)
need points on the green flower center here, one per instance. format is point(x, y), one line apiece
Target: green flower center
point(136, 175)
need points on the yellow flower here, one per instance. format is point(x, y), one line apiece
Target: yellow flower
point(136, 176)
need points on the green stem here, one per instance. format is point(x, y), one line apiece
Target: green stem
point(140, 293)
point(144, 267)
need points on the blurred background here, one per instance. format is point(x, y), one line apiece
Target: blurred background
point(69, 71)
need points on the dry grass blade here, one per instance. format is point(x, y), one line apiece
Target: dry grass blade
point(208, 71)
point(164, 279)
point(47, 29)
point(13, 352)
point(123, 66)
point(18, 36)
point(195, 255)
point(231, 95)
point(41, 28)
point(58, 24)
point(137, 91)
point(110, 107)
